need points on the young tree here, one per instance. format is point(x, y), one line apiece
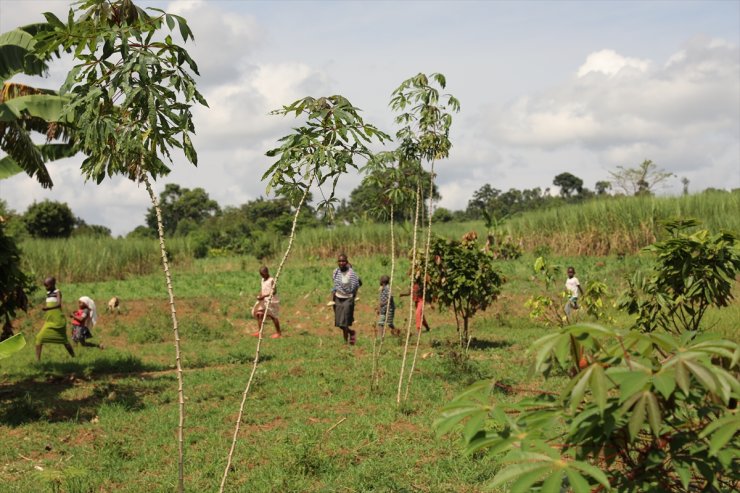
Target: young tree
point(693, 271)
point(426, 118)
point(49, 219)
point(130, 95)
point(463, 277)
point(325, 147)
point(641, 180)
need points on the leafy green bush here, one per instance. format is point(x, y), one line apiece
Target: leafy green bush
point(647, 410)
point(693, 271)
point(651, 412)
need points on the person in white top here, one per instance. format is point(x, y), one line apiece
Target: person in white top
point(260, 310)
point(573, 288)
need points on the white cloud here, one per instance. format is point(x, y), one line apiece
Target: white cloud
point(683, 113)
point(611, 63)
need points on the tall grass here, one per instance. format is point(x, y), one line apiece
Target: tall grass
point(84, 259)
point(620, 225)
point(368, 238)
point(614, 225)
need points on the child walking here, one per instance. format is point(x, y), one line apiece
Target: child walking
point(83, 320)
point(260, 310)
point(386, 305)
point(418, 298)
point(573, 289)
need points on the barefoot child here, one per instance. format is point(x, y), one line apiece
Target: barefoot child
point(573, 288)
point(386, 305)
point(260, 311)
point(418, 299)
point(83, 320)
point(54, 330)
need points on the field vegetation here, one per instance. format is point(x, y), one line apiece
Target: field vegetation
point(105, 420)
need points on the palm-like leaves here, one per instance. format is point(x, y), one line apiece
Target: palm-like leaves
point(25, 109)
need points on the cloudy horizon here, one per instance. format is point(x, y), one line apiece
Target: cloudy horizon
point(545, 88)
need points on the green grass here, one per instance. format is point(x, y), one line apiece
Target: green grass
point(106, 420)
point(621, 225)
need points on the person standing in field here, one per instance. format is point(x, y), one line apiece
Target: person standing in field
point(344, 290)
point(54, 330)
point(261, 310)
point(83, 320)
point(418, 299)
point(573, 289)
point(386, 305)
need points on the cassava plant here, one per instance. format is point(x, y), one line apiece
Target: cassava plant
point(462, 277)
point(130, 94)
point(425, 118)
point(693, 271)
point(651, 412)
point(644, 411)
point(324, 148)
point(396, 173)
point(548, 307)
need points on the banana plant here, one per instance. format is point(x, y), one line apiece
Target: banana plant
point(25, 110)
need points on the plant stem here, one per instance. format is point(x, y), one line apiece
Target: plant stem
point(259, 339)
point(424, 277)
point(175, 330)
point(376, 355)
point(411, 295)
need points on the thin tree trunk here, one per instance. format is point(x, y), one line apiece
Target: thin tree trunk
point(376, 355)
point(259, 339)
point(424, 278)
point(175, 330)
point(411, 295)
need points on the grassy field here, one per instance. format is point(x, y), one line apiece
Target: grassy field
point(609, 226)
point(105, 421)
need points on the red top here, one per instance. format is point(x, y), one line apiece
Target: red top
point(81, 314)
point(416, 293)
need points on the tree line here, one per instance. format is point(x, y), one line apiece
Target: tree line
point(250, 227)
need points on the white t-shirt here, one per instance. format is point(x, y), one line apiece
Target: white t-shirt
point(571, 285)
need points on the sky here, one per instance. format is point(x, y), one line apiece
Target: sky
point(545, 88)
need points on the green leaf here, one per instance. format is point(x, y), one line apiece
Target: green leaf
point(48, 107)
point(554, 482)
point(653, 411)
point(577, 482)
point(12, 345)
point(453, 414)
point(684, 473)
point(638, 417)
point(665, 382)
point(722, 436)
point(682, 376)
point(525, 481)
point(8, 168)
point(599, 386)
point(579, 387)
point(702, 374)
point(592, 471)
point(514, 471)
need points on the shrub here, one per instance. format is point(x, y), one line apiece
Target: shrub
point(653, 411)
point(693, 271)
